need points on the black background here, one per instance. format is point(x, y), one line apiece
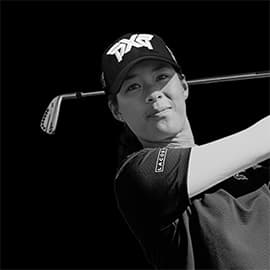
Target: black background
point(58, 208)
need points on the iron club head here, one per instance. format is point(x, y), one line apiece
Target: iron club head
point(50, 117)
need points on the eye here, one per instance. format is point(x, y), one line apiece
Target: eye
point(132, 87)
point(163, 76)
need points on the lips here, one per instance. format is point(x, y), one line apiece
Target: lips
point(156, 112)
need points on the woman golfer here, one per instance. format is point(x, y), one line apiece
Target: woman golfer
point(189, 206)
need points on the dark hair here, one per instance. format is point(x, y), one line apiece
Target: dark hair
point(127, 142)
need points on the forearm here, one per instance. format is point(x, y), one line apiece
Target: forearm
point(216, 161)
point(259, 140)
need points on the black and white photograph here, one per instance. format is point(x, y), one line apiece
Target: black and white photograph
point(135, 135)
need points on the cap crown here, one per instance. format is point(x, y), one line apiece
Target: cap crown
point(126, 52)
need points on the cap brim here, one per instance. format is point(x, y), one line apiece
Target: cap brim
point(114, 89)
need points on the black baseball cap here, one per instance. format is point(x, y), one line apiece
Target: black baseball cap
point(128, 50)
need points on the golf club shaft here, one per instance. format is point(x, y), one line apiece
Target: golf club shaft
point(228, 78)
point(50, 117)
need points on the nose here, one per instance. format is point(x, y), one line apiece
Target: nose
point(153, 97)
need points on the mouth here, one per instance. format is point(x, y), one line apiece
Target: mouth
point(159, 113)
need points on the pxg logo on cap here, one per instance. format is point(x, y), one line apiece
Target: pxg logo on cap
point(124, 46)
point(128, 50)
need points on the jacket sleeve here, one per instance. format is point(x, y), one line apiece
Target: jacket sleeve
point(151, 188)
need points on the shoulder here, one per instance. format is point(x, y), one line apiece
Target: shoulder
point(151, 185)
point(154, 161)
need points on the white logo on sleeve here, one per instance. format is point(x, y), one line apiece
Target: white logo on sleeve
point(124, 46)
point(160, 162)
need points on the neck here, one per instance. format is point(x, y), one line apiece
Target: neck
point(183, 139)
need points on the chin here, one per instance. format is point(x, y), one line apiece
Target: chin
point(161, 131)
point(170, 128)
point(162, 135)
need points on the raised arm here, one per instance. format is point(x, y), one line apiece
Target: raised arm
point(214, 162)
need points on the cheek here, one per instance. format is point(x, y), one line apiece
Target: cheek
point(178, 99)
point(178, 117)
point(132, 113)
point(180, 108)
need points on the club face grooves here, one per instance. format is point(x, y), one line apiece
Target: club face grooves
point(50, 116)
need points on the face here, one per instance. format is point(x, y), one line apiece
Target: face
point(151, 101)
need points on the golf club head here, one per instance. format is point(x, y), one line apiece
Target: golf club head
point(50, 117)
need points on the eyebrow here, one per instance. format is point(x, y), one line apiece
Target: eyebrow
point(158, 67)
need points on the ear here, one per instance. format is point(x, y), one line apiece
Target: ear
point(185, 86)
point(115, 112)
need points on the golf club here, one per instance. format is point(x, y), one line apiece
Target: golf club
point(51, 115)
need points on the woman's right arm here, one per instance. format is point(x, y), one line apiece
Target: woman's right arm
point(214, 162)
